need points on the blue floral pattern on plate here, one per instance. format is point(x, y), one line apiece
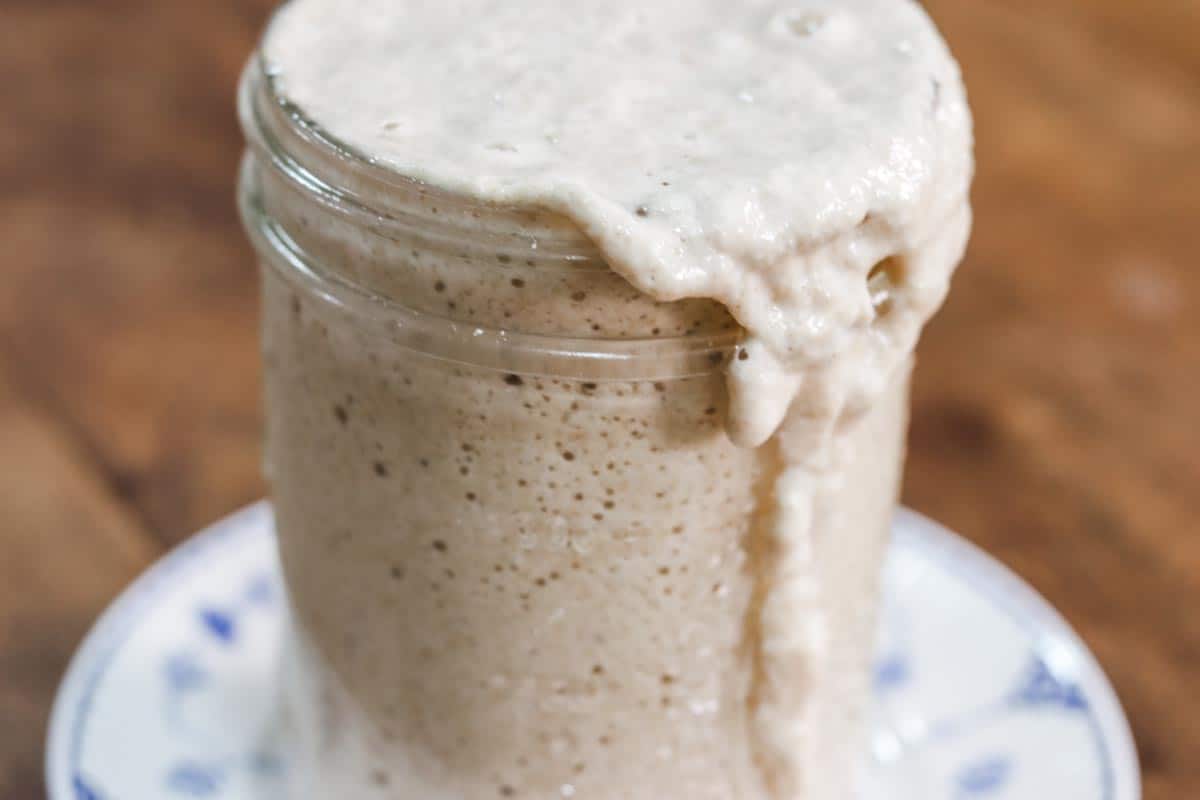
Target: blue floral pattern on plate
point(983, 692)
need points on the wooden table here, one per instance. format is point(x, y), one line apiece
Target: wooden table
point(1055, 417)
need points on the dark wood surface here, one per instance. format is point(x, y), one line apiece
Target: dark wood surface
point(1056, 407)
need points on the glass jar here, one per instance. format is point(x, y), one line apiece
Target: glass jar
point(521, 552)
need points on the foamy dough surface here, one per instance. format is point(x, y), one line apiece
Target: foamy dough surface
point(762, 154)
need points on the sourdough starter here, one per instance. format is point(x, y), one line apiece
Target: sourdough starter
point(523, 583)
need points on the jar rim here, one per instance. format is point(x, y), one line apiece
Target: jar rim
point(573, 357)
point(349, 181)
point(344, 179)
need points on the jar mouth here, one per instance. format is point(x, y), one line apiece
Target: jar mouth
point(354, 184)
point(351, 184)
point(571, 357)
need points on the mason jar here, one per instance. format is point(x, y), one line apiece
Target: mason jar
point(522, 555)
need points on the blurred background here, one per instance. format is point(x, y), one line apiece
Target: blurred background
point(1057, 405)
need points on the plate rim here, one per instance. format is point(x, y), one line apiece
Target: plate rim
point(1007, 591)
point(955, 555)
point(109, 630)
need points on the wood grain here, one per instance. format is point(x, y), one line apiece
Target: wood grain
point(1055, 409)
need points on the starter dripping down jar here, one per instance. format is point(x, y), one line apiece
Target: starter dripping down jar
point(519, 547)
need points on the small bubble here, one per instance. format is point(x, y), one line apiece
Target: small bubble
point(884, 280)
point(566, 790)
point(804, 23)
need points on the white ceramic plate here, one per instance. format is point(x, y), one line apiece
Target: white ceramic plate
point(984, 692)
